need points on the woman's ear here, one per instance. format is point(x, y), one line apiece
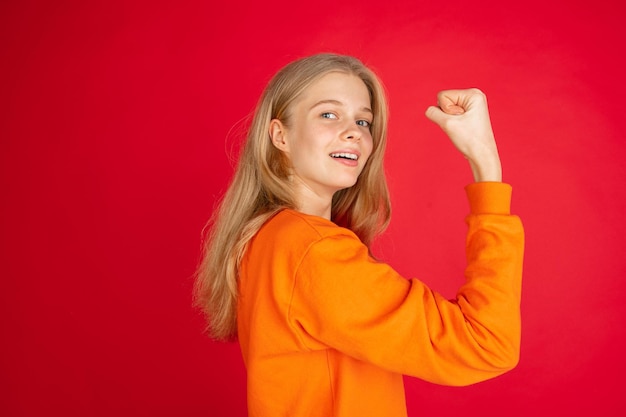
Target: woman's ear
point(278, 133)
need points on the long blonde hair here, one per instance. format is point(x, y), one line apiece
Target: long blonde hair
point(260, 188)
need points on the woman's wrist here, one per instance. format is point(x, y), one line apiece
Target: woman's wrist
point(487, 170)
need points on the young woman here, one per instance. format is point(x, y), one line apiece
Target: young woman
point(326, 329)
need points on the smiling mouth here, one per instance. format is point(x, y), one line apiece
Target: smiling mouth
point(345, 155)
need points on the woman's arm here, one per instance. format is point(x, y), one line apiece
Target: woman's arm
point(345, 300)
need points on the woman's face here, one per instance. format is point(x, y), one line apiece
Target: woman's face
point(328, 140)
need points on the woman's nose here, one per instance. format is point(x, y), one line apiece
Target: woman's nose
point(352, 132)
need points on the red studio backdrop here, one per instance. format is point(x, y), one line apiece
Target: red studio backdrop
point(119, 125)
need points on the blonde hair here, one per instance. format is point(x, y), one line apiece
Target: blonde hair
point(260, 188)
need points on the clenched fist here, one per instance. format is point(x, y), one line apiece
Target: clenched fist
point(464, 117)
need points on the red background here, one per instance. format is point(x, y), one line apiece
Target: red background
point(118, 124)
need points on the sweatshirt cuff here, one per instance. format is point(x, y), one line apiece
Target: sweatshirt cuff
point(489, 198)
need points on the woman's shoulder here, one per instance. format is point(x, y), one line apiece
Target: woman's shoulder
point(296, 226)
point(289, 238)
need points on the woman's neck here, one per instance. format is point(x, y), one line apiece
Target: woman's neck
point(309, 201)
point(315, 209)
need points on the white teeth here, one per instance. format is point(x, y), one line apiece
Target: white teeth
point(345, 155)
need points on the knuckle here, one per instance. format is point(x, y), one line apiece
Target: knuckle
point(477, 92)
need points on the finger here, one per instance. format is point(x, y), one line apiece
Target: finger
point(435, 114)
point(453, 109)
point(450, 102)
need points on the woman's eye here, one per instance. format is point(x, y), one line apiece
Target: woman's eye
point(329, 116)
point(363, 123)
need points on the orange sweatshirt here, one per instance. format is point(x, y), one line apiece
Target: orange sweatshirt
point(325, 330)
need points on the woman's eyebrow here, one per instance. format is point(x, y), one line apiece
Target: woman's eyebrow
point(338, 103)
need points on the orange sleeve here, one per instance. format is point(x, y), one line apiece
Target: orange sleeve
point(345, 300)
